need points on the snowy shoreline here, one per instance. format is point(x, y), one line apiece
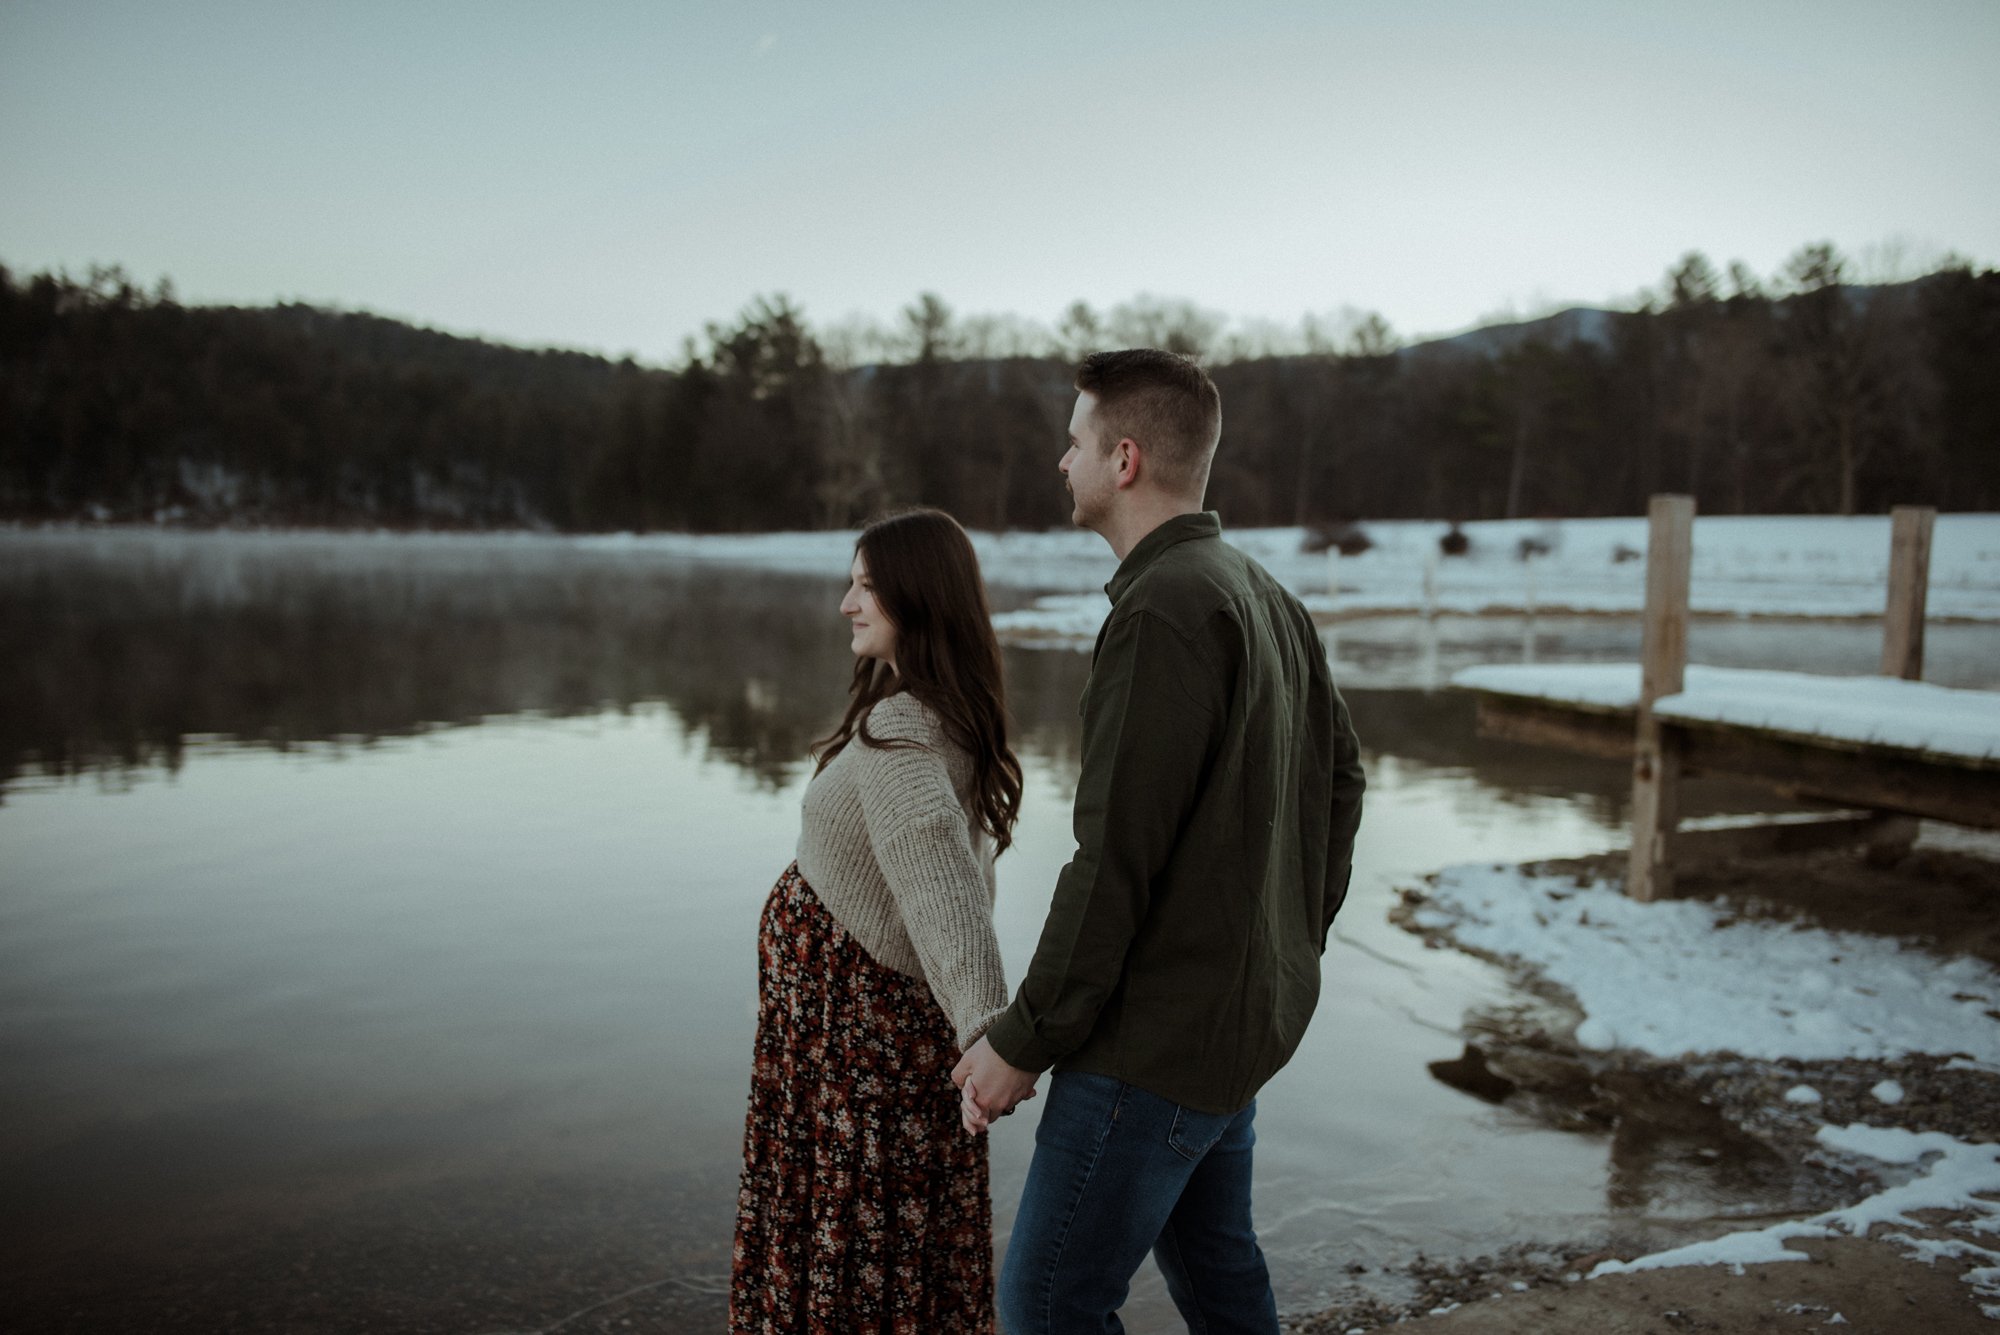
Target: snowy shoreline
point(1743, 1004)
point(1687, 977)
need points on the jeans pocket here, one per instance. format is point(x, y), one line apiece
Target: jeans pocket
point(1193, 1133)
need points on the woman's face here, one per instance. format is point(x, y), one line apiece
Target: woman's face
point(874, 633)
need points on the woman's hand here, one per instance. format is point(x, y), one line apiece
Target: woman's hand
point(988, 1087)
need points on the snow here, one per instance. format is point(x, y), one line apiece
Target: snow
point(1676, 977)
point(1607, 686)
point(1800, 566)
point(1752, 566)
point(1596, 1035)
point(1802, 1094)
point(1880, 711)
point(1059, 619)
point(1824, 566)
point(1960, 1177)
point(1887, 1091)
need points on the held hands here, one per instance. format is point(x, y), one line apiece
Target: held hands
point(989, 1087)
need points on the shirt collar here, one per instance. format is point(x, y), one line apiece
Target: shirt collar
point(1179, 529)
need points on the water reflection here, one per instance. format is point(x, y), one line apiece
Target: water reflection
point(133, 646)
point(1670, 1150)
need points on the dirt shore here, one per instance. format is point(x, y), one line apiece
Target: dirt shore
point(1942, 895)
point(1847, 1284)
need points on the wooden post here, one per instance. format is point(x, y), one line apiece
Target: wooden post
point(1903, 646)
point(1656, 767)
point(1909, 585)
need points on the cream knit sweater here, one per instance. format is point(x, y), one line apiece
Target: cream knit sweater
point(892, 850)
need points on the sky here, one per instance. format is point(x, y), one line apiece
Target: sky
point(617, 176)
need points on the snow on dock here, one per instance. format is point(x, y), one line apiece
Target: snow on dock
point(1890, 745)
point(1936, 722)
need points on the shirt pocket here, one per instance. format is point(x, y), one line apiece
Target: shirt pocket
point(1193, 1133)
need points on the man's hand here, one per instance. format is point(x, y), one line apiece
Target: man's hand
point(988, 1086)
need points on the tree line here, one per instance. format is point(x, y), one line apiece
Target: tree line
point(1803, 393)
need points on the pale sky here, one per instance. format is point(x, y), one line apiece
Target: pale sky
point(613, 176)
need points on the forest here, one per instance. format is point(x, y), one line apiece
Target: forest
point(1802, 393)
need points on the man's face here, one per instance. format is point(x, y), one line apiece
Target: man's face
point(1090, 471)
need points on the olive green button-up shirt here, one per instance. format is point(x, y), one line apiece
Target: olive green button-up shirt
point(1215, 818)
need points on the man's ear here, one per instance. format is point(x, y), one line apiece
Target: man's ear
point(1130, 455)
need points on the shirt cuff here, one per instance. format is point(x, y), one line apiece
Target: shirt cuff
point(1013, 1038)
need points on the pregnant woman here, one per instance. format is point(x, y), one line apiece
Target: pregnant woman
point(864, 1204)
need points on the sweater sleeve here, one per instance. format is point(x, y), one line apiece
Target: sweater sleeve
point(921, 840)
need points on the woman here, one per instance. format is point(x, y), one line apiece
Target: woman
point(864, 1204)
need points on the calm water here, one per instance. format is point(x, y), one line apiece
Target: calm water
point(377, 924)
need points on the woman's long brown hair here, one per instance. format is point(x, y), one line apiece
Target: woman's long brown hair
point(925, 576)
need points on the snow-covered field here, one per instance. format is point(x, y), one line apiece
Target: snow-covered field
point(1753, 565)
point(1750, 566)
point(1799, 566)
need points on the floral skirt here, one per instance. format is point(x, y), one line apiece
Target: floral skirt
point(864, 1204)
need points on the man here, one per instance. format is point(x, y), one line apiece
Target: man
point(1215, 818)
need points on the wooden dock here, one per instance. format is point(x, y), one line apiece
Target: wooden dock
point(1891, 747)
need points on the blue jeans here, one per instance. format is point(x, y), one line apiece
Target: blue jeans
point(1118, 1172)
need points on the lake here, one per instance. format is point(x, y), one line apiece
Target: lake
point(378, 915)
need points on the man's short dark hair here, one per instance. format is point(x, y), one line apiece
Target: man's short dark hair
point(1163, 401)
